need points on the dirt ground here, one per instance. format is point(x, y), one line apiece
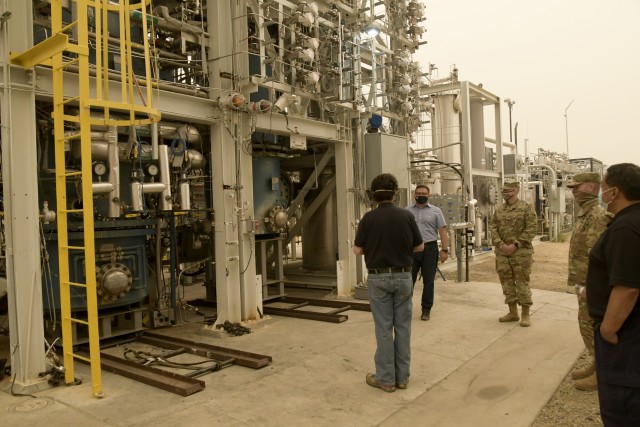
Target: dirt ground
point(568, 407)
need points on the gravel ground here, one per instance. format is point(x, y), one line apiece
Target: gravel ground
point(568, 407)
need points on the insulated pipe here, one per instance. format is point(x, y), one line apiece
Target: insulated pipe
point(185, 194)
point(136, 196)
point(165, 176)
point(114, 172)
point(190, 133)
point(554, 178)
point(138, 189)
point(154, 141)
point(478, 231)
point(102, 188)
point(176, 24)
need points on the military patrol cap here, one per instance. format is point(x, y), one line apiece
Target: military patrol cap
point(510, 185)
point(584, 177)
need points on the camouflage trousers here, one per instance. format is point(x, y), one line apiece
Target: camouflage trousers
point(585, 323)
point(514, 272)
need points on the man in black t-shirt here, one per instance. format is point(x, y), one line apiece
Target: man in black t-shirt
point(387, 236)
point(613, 286)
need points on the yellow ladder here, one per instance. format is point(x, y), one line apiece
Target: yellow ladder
point(82, 123)
point(51, 52)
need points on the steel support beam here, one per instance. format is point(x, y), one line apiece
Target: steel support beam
point(20, 181)
point(175, 383)
point(232, 186)
point(358, 306)
point(465, 129)
point(172, 105)
point(241, 358)
point(313, 178)
point(346, 264)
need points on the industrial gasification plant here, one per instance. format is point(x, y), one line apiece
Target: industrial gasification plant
point(148, 144)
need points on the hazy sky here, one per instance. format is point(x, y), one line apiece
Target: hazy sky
point(543, 54)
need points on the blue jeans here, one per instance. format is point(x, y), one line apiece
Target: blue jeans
point(390, 299)
point(427, 262)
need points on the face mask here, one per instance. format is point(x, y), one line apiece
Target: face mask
point(606, 204)
point(583, 197)
point(422, 199)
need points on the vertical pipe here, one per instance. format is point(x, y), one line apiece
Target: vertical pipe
point(159, 273)
point(477, 134)
point(114, 172)
point(165, 177)
point(136, 196)
point(185, 194)
point(478, 231)
point(173, 263)
point(154, 141)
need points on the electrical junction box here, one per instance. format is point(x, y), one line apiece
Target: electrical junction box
point(297, 141)
point(557, 202)
point(513, 164)
point(452, 207)
point(387, 154)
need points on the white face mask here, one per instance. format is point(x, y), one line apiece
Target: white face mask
point(606, 204)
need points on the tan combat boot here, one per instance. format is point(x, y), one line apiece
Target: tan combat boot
point(587, 371)
point(512, 316)
point(589, 383)
point(526, 321)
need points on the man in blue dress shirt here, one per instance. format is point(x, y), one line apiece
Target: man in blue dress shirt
point(431, 224)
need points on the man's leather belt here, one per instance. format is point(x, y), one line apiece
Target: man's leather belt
point(382, 270)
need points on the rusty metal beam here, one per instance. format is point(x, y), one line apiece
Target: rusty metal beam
point(165, 380)
point(360, 306)
point(309, 315)
point(242, 358)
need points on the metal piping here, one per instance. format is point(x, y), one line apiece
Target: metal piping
point(198, 92)
point(165, 176)
point(176, 24)
point(138, 189)
point(185, 193)
point(554, 177)
point(154, 141)
point(102, 188)
point(114, 172)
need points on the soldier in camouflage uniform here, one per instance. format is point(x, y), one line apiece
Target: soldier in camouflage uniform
point(590, 223)
point(513, 227)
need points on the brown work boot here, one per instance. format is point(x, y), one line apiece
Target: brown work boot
point(526, 321)
point(512, 316)
point(589, 383)
point(587, 371)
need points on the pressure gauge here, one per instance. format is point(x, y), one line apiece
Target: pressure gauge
point(99, 168)
point(152, 169)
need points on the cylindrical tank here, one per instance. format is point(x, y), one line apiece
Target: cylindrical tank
point(476, 111)
point(446, 132)
point(320, 233)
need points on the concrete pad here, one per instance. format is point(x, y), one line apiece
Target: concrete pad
point(467, 369)
point(509, 381)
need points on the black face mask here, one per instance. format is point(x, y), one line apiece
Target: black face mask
point(422, 199)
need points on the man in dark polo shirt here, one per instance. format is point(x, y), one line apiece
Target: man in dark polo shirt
point(387, 236)
point(613, 286)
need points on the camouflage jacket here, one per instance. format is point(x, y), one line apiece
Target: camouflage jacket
point(514, 223)
point(591, 222)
